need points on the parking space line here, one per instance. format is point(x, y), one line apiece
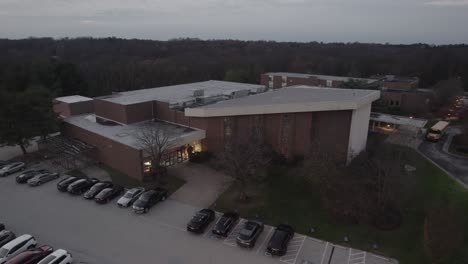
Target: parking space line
point(324, 252)
point(356, 257)
point(264, 241)
point(232, 237)
point(293, 251)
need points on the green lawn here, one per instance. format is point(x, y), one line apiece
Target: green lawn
point(172, 183)
point(290, 198)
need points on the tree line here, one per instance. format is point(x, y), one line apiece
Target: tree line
point(95, 67)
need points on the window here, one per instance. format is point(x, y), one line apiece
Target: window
point(391, 102)
point(57, 261)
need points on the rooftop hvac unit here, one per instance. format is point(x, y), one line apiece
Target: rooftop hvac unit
point(239, 94)
point(261, 90)
point(209, 100)
point(198, 93)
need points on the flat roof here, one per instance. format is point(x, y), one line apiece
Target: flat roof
point(322, 77)
point(180, 93)
point(73, 99)
point(292, 99)
point(126, 134)
point(399, 120)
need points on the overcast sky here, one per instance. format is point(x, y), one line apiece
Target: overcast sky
point(393, 21)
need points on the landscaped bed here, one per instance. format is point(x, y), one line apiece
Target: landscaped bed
point(288, 197)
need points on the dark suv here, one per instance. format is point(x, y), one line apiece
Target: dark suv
point(81, 186)
point(225, 224)
point(97, 188)
point(148, 199)
point(278, 244)
point(200, 221)
point(249, 234)
point(63, 184)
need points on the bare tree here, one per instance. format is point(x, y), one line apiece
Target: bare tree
point(244, 160)
point(155, 140)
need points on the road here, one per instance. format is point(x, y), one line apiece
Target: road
point(457, 166)
point(106, 234)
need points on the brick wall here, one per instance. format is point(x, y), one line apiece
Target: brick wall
point(116, 155)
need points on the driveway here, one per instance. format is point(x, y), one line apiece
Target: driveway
point(203, 185)
point(107, 234)
point(438, 153)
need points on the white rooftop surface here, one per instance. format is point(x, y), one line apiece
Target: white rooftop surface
point(125, 134)
point(399, 120)
point(292, 99)
point(73, 99)
point(179, 93)
point(322, 77)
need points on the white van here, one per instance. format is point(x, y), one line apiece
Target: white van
point(16, 246)
point(59, 256)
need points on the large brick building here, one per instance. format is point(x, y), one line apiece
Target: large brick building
point(275, 80)
point(206, 115)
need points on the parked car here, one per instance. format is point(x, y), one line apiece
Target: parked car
point(43, 178)
point(16, 246)
point(64, 183)
point(96, 188)
point(130, 197)
point(225, 224)
point(108, 194)
point(31, 256)
point(4, 163)
point(59, 256)
point(81, 186)
point(148, 199)
point(278, 244)
point(27, 175)
point(12, 168)
point(6, 236)
point(249, 234)
point(201, 220)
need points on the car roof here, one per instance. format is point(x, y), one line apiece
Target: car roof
point(17, 240)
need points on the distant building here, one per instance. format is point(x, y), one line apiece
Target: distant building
point(393, 82)
point(274, 80)
point(418, 101)
point(207, 115)
point(397, 92)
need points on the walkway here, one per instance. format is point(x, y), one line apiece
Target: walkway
point(203, 187)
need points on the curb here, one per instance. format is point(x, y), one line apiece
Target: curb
point(442, 169)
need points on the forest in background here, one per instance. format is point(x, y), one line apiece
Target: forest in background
point(94, 67)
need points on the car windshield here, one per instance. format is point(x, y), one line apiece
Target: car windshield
point(199, 217)
point(434, 131)
point(48, 259)
point(129, 194)
point(145, 197)
point(3, 252)
point(247, 231)
point(103, 193)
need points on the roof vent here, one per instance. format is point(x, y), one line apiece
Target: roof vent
point(239, 94)
point(198, 93)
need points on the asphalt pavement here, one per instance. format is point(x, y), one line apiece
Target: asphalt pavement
point(107, 234)
point(456, 166)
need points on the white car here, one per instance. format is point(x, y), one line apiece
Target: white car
point(16, 246)
point(59, 256)
point(12, 168)
point(130, 197)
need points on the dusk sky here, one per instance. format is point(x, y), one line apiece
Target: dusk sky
point(393, 21)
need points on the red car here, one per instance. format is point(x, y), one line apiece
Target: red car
point(31, 256)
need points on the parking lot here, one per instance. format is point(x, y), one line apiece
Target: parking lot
point(107, 234)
